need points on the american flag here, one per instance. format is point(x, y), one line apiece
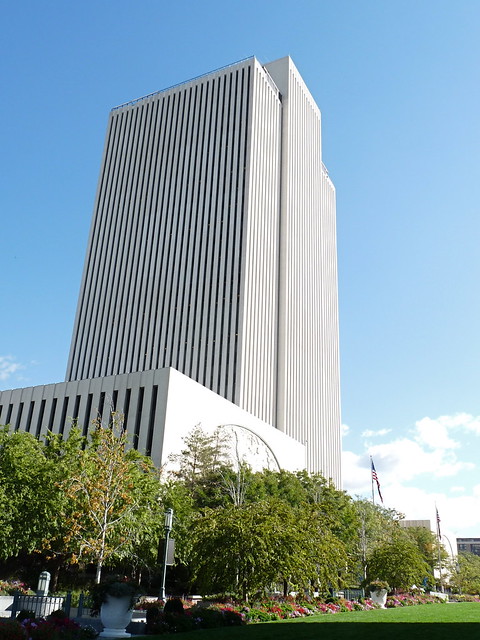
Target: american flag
point(375, 478)
point(438, 524)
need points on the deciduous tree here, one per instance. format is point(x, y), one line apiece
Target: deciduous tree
point(247, 549)
point(114, 499)
point(465, 576)
point(398, 562)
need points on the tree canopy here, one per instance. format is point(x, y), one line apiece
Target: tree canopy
point(96, 500)
point(399, 562)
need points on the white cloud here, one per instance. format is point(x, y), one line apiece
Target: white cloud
point(471, 423)
point(415, 473)
point(404, 459)
point(345, 429)
point(459, 515)
point(459, 421)
point(434, 434)
point(456, 489)
point(355, 476)
point(369, 433)
point(8, 366)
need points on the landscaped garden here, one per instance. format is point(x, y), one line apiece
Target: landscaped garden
point(95, 511)
point(434, 622)
point(276, 619)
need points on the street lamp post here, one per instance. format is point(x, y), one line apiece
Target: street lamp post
point(168, 528)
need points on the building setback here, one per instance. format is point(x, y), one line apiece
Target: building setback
point(212, 251)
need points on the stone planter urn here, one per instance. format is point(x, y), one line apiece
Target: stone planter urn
point(379, 597)
point(115, 615)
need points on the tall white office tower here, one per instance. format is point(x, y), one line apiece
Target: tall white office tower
point(213, 250)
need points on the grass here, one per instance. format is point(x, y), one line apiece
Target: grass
point(425, 622)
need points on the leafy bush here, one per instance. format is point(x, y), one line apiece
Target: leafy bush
point(259, 615)
point(173, 606)
point(155, 620)
point(175, 618)
point(12, 630)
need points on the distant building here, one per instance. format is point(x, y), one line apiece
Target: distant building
point(416, 523)
point(468, 545)
point(212, 251)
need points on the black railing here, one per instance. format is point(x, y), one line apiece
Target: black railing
point(41, 606)
point(353, 594)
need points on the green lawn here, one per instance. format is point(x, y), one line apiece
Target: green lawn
point(426, 622)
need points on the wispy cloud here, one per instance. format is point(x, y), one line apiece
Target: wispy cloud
point(369, 433)
point(8, 366)
point(345, 429)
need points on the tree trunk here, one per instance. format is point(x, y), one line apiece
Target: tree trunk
point(57, 563)
point(98, 575)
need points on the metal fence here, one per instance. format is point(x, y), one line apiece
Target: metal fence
point(353, 594)
point(40, 605)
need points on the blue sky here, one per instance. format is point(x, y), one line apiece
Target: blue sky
point(398, 86)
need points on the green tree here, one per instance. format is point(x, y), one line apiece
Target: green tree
point(114, 496)
point(375, 526)
point(428, 545)
point(465, 576)
point(28, 495)
point(200, 465)
point(399, 562)
point(247, 549)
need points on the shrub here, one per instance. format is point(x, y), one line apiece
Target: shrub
point(259, 615)
point(12, 630)
point(232, 618)
point(173, 605)
point(25, 615)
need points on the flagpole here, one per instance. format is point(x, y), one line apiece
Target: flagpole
point(371, 474)
point(364, 545)
point(439, 535)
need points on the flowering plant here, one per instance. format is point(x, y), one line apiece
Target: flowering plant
point(53, 628)
point(116, 587)
point(9, 587)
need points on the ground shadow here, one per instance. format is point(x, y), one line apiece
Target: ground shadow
point(340, 631)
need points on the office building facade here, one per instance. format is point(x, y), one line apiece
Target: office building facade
point(468, 545)
point(212, 251)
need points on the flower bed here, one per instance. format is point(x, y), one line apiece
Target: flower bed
point(53, 628)
point(9, 587)
point(181, 615)
point(464, 598)
point(410, 599)
point(278, 610)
